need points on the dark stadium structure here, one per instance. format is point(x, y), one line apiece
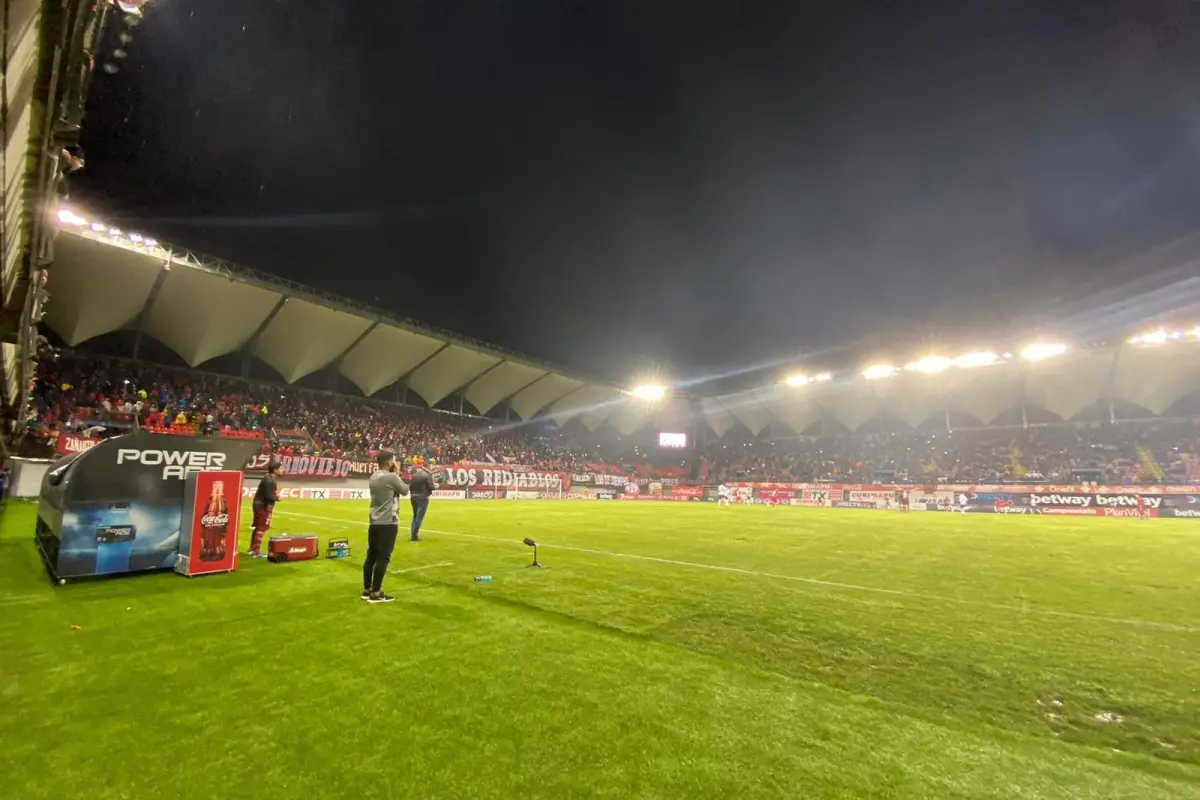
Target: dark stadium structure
point(107, 281)
point(49, 55)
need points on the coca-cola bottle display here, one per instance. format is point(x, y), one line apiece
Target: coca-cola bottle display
point(214, 525)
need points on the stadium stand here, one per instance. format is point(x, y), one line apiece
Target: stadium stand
point(88, 396)
point(1122, 412)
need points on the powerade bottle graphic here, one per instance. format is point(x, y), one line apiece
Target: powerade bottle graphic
point(114, 540)
point(214, 525)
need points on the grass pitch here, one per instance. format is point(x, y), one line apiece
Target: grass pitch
point(668, 650)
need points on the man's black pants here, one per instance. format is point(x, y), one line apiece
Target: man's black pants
point(381, 541)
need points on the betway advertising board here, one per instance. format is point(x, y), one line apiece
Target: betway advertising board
point(1166, 501)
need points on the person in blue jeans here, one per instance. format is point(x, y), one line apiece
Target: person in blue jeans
point(420, 487)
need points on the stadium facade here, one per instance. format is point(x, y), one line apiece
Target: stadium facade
point(106, 280)
point(49, 52)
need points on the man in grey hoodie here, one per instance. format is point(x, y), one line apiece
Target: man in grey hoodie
point(386, 490)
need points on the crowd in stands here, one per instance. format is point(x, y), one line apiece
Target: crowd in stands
point(92, 397)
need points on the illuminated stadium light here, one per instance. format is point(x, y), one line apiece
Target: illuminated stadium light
point(99, 227)
point(1039, 352)
point(69, 217)
point(150, 242)
point(929, 365)
point(879, 371)
point(796, 380)
point(825, 376)
point(132, 6)
point(114, 232)
point(1153, 337)
point(976, 359)
point(650, 391)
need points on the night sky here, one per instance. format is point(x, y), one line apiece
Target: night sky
point(698, 185)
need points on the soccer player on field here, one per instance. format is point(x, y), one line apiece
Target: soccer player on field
point(265, 498)
point(723, 494)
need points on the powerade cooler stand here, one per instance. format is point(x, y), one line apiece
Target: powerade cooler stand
point(118, 507)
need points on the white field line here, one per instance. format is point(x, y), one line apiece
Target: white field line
point(423, 566)
point(849, 587)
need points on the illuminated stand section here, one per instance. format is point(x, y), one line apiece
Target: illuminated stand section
point(120, 507)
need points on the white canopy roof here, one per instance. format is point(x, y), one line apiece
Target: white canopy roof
point(1154, 378)
point(104, 281)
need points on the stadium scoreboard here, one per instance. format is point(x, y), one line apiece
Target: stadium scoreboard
point(673, 441)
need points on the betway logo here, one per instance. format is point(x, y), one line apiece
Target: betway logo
point(1097, 500)
point(175, 463)
point(1060, 499)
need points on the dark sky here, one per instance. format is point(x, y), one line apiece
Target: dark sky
point(698, 184)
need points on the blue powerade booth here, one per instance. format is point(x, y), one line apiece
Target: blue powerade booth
point(118, 507)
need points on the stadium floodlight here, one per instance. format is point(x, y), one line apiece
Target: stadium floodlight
point(879, 371)
point(69, 217)
point(114, 232)
point(1153, 337)
point(150, 242)
point(132, 6)
point(135, 237)
point(985, 359)
point(1040, 352)
point(929, 365)
point(796, 380)
point(650, 391)
point(825, 376)
point(99, 227)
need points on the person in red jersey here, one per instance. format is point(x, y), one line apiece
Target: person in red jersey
point(265, 498)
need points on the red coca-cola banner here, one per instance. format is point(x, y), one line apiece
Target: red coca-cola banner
point(68, 444)
point(208, 542)
point(687, 492)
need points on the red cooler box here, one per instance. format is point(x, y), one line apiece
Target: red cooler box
point(208, 531)
point(292, 547)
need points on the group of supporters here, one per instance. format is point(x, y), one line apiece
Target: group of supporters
point(90, 396)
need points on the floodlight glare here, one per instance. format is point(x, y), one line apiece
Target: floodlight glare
point(985, 359)
point(69, 217)
point(929, 365)
point(650, 392)
point(825, 376)
point(879, 371)
point(795, 380)
point(151, 243)
point(1153, 337)
point(99, 227)
point(1038, 352)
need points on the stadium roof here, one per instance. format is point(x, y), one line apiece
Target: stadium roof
point(104, 280)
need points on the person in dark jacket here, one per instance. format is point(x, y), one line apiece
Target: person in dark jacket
point(265, 498)
point(420, 487)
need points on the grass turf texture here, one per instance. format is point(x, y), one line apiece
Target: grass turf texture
point(768, 665)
